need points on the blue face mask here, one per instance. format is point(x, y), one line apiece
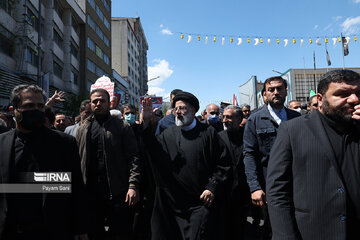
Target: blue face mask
point(213, 118)
point(130, 118)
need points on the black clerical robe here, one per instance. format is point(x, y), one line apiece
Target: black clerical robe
point(185, 163)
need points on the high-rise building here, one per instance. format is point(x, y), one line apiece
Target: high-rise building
point(129, 55)
point(60, 25)
point(97, 57)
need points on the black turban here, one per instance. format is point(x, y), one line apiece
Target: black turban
point(186, 97)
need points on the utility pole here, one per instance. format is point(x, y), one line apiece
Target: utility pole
point(39, 78)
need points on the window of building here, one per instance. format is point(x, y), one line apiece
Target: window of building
point(99, 71)
point(90, 66)
point(129, 57)
point(106, 41)
point(6, 46)
point(92, 3)
point(106, 23)
point(91, 44)
point(7, 5)
point(107, 7)
point(75, 25)
point(74, 77)
point(106, 59)
point(91, 22)
point(32, 19)
point(99, 52)
point(32, 56)
point(99, 13)
point(74, 49)
point(57, 70)
point(58, 9)
point(99, 32)
point(57, 38)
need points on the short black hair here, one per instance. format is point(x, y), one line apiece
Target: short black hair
point(175, 91)
point(237, 110)
point(129, 106)
point(347, 76)
point(101, 90)
point(270, 79)
point(15, 98)
point(83, 104)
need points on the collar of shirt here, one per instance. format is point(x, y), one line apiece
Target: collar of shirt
point(278, 115)
point(189, 127)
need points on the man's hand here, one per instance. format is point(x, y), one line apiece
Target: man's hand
point(132, 197)
point(356, 113)
point(258, 198)
point(146, 111)
point(207, 197)
point(56, 98)
point(81, 237)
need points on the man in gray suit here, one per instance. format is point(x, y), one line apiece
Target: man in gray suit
point(314, 168)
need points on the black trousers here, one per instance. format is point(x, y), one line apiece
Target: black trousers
point(110, 219)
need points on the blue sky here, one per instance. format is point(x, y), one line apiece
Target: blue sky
point(212, 71)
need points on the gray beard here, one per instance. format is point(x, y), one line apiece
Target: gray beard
point(185, 121)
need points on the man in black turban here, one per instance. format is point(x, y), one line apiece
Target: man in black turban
point(190, 164)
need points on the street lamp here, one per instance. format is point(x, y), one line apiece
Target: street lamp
point(277, 72)
point(151, 79)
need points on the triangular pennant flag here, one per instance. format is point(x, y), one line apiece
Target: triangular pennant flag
point(311, 93)
point(345, 43)
point(189, 39)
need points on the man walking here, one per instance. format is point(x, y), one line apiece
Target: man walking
point(314, 169)
point(239, 195)
point(110, 169)
point(259, 135)
point(190, 164)
point(29, 148)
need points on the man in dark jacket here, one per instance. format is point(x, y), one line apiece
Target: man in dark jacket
point(30, 148)
point(110, 168)
point(313, 176)
point(259, 136)
point(239, 194)
point(190, 164)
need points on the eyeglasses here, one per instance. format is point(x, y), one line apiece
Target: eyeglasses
point(214, 113)
point(227, 117)
point(315, 105)
point(181, 108)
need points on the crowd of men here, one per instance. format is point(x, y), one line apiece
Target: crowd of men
point(272, 173)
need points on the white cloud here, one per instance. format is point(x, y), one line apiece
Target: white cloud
point(161, 25)
point(166, 31)
point(160, 69)
point(156, 91)
point(316, 27)
point(356, 1)
point(327, 27)
point(337, 18)
point(351, 25)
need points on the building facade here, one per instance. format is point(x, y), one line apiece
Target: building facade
point(300, 81)
point(54, 61)
point(129, 55)
point(97, 55)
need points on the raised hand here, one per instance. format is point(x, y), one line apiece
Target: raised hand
point(146, 111)
point(56, 98)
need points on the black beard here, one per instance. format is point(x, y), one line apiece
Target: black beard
point(337, 115)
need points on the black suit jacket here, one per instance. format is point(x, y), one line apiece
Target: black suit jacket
point(63, 213)
point(305, 191)
point(239, 191)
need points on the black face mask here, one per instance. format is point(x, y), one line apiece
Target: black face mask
point(32, 119)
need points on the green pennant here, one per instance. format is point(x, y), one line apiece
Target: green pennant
point(311, 92)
